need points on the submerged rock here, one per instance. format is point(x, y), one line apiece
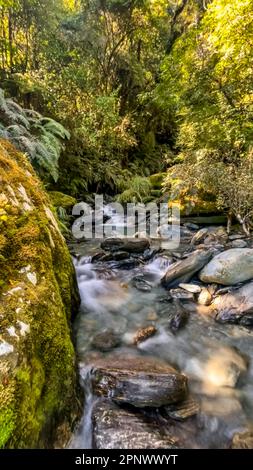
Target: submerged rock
point(37, 300)
point(130, 245)
point(230, 267)
point(183, 270)
point(178, 316)
point(139, 381)
point(106, 341)
point(144, 333)
point(141, 284)
point(120, 428)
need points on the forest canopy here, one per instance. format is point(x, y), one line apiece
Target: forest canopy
point(132, 88)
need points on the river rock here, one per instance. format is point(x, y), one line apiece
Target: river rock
point(121, 428)
point(144, 333)
point(205, 298)
point(105, 341)
point(225, 368)
point(235, 305)
point(141, 284)
point(183, 270)
point(125, 264)
point(139, 381)
point(183, 410)
point(194, 288)
point(230, 267)
point(181, 294)
point(178, 316)
point(236, 236)
point(97, 256)
point(199, 236)
point(120, 255)
point(210, 235)
point(130, 245)
point(242, 440)
point(239, 243)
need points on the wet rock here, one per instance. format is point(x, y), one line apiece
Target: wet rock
point(120, 428)
point(139, 381)
point(120, 255)
point(225, 368)
point(125, 264)
point(235, 305)
point(144, 333)
point(242, 440)
point(141, 284)
point(230, 267)
point(178, 317)
point(182, 271)
point(205, 298)
point(239, 244)
point(194, 288)
point(106, 257)
point(181, 294)
point(134, 245)
point(222, 368)
point(97, 256)
point(152, 316)
point(151, 253)
point(199, 236)
point(182, 411)
point(210, 235)
point(106, 341)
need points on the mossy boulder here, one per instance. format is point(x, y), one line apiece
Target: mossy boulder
point(38, 296)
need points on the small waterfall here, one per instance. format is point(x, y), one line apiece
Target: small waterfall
point(82, 439)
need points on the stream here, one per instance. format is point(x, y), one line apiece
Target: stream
point(115, 306)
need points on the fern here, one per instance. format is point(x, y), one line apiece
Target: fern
point(40, 138)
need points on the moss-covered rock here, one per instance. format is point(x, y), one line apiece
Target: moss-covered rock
point(38, 296)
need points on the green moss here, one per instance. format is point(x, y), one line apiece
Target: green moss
point(61, 200)
point(7, 425)
point(157, 179)
point(40, 376)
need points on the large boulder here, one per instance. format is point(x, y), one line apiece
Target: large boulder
point(138, 381)
point(38, 295)
point(230, 267)
point(182, 271)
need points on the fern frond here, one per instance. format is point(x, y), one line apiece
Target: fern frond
point(55, 128)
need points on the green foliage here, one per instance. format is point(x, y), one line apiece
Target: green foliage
point(209, 75)
point(137, 189)
point(38, 137)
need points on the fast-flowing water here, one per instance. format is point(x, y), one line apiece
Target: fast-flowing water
point(207, 352)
